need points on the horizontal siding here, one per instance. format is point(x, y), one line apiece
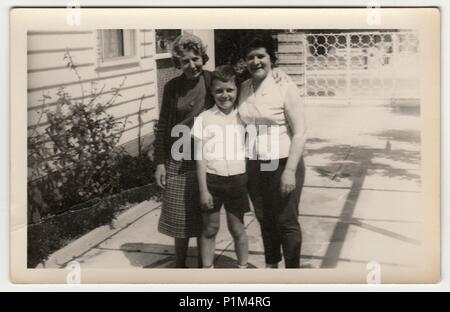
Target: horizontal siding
point(47, 72)
point(60, 41)
point(291, 37)
point(129, 100)
point(132, 134)
point(61, 67)
point(130, 137)
point(132, 109)
point(35, 97)
point(132, 147)
point(59, 50)
point(145, 78)
point(44, 60)
point(295, 69)
point(131, 119)
point(44, 81)
point(144, 98)
point(290, 47)
point(291, 57)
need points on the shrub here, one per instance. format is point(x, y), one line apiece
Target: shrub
point(79, 178)
point(135, 171)
point(75, 159)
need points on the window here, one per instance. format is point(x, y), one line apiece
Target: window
point(164, 39)
point(117, 47)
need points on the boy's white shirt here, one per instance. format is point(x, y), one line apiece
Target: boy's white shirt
point(223, 141)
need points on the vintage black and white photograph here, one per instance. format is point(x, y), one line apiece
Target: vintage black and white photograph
point(294, 149)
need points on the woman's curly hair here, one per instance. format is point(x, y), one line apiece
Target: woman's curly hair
point(188, 42)
point(262, 41)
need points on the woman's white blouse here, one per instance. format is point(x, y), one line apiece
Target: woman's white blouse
point(268, 132)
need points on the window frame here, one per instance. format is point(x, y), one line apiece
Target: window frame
point(164, 55)
point(119, 60)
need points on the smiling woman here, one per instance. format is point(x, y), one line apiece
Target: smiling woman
point(184, 98)
point(276, 193)
point(191, 63)
point(260, 57)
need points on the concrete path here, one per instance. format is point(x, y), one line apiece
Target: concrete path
point(361, 202)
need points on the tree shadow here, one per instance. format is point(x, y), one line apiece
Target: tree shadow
point(341, 229)
point(406, 136)
point(343, 161)
point(405, 110)
point(356, 163)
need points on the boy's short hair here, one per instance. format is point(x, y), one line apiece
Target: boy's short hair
point(224, 73)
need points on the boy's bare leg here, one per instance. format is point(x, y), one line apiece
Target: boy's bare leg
point(211, 224)
point(237, 230)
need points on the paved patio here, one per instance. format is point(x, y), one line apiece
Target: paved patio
point(361, 202)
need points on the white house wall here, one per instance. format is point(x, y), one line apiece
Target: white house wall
point(47, 72)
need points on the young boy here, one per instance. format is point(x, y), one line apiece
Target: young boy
point(220, 155)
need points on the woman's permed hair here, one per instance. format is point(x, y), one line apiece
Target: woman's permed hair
point(188, 42)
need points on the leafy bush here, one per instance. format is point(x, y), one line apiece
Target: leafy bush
point(75, 159)
point(79, 177)
point(135, 171)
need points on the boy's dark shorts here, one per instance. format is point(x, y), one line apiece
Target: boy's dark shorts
point(231, 191)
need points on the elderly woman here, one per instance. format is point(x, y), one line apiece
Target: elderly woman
point(276, 172)
point(184, 98)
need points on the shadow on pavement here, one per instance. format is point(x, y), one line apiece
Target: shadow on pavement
point(343, 161)
point(408, 136)
point(340, 231)
point(406, 110)
point(356, 163)
point(162, 256)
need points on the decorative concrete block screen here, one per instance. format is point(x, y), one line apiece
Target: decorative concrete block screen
point(348, 67)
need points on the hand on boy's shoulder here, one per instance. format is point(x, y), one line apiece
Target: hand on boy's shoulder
point(281, 77)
